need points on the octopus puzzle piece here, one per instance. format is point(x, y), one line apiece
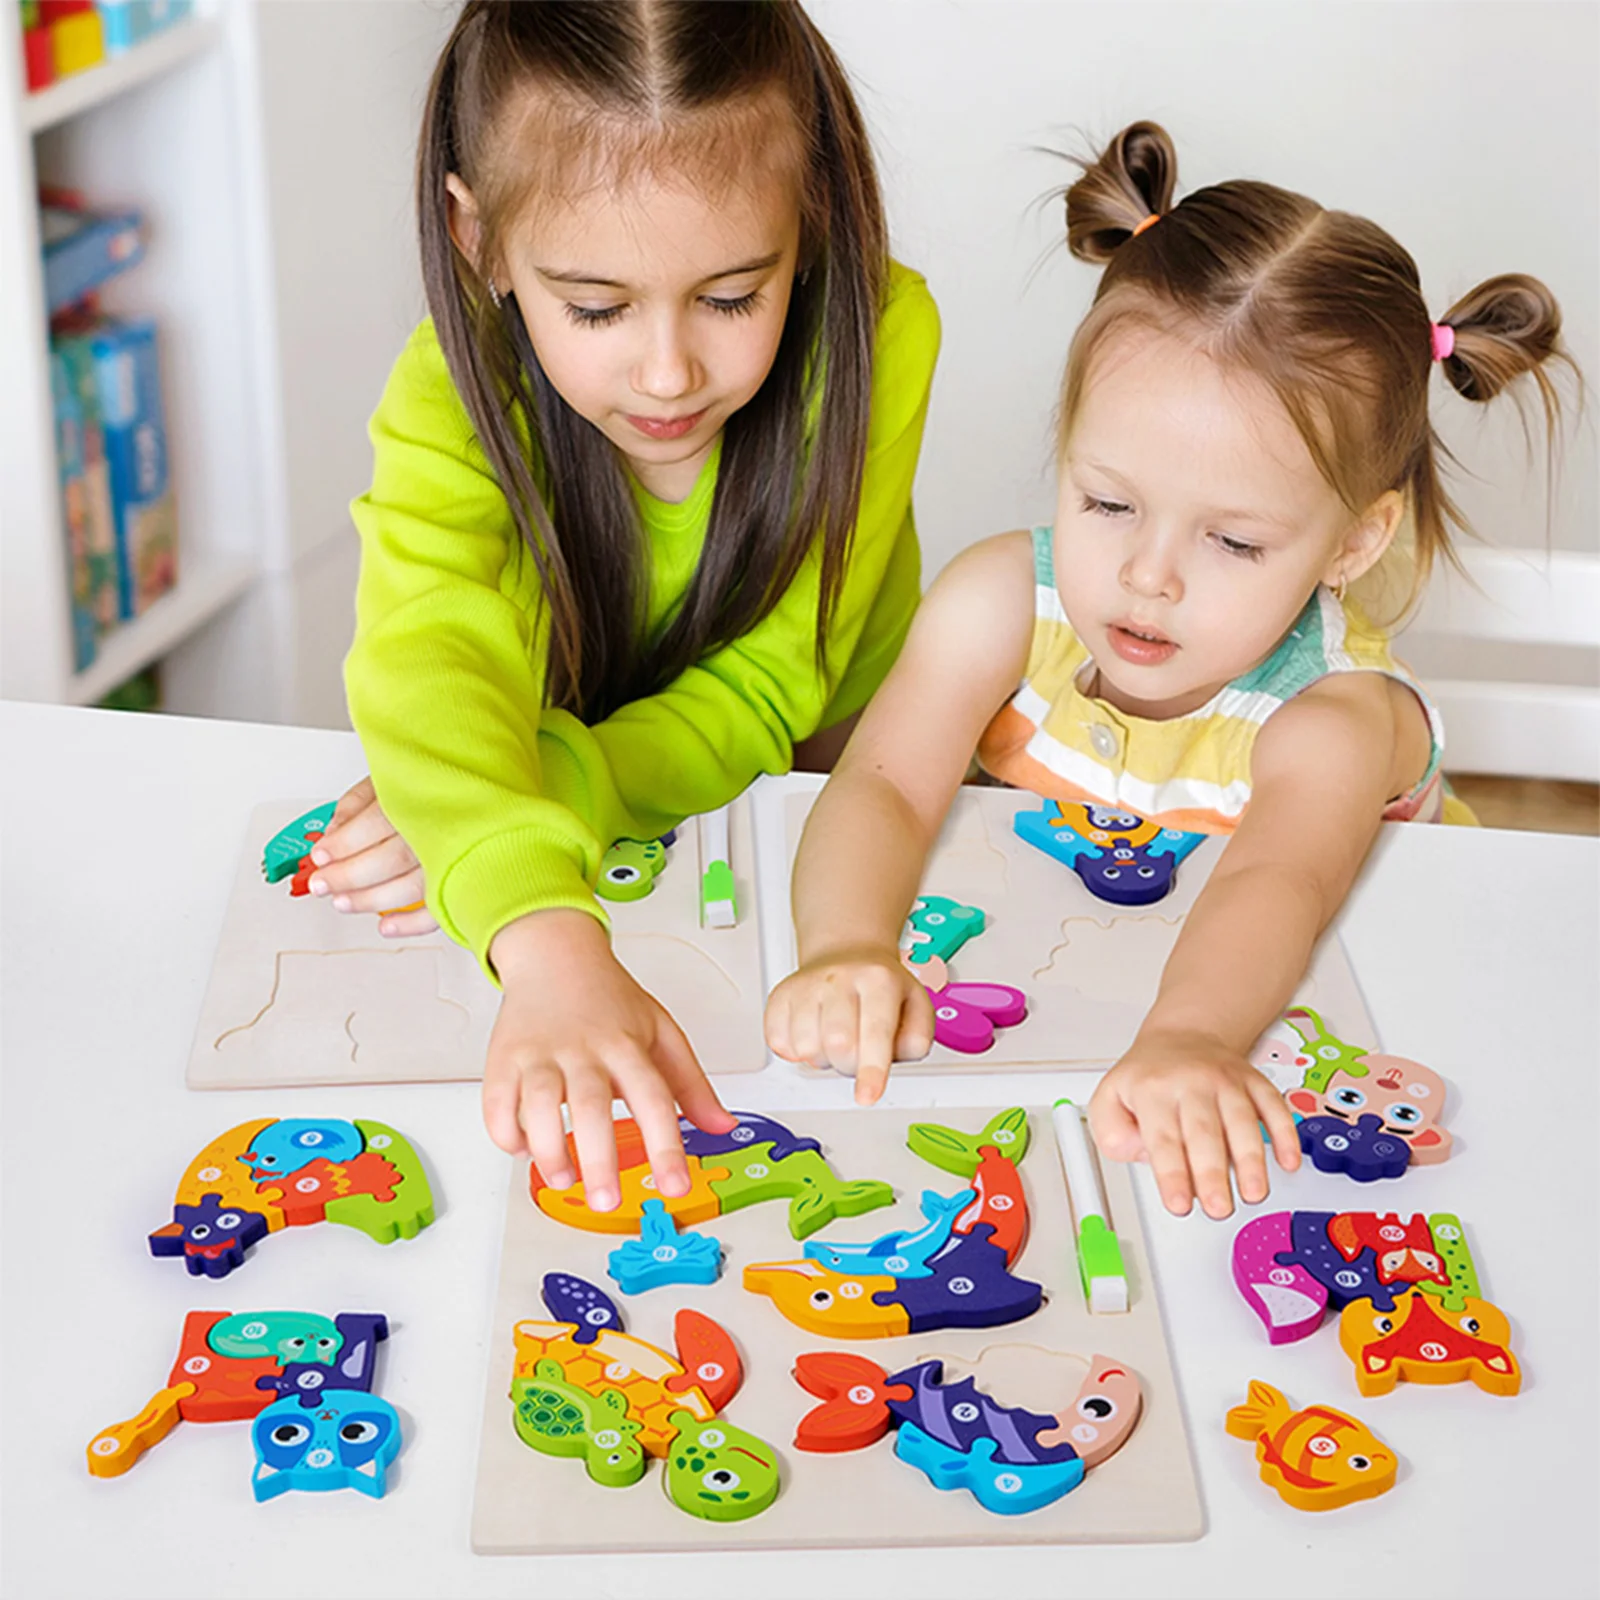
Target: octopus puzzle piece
point(661, 1255)
point(967, 1281)
point(726, 1173)
point(270, 1174)
point(938, 927)
point(346, 1441)
point(1010, 1459)
point(1404, 1313)
point(1316, 1458)
point(233, 1367)
point(291, 845)
point(583, 1387)
point(1121, 857)
point(903, 1253)
point(629, 869)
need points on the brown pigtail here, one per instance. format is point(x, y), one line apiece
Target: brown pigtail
point(1131, 180)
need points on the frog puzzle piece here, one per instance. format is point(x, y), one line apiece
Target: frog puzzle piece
point(1121, 857)
point(583, 1387)
point(629, 869)
point(274, 1173)
point(1010, 1459)
point(967, 1281)
point(232, 1367)
point(662, 1255)
point(758, 1160)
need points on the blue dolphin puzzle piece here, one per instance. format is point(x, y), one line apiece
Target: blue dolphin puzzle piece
point(295, 1142)
point(662, 1255)
point(574, 1299)
point(751, 1129)
point(902, 1254)
point(345, 1439)
point(997, 1486)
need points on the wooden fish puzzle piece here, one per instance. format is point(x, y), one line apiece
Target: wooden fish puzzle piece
point(1121, 857)
point(758, 1160)
point(903, 1253)
point(629, 869)
point(292, 1172)
point(661, 1255)
point(1316, 1458)
point(583, 1386)
point(231, 1367)
point(938, 927)
point(1011, 1459)
point(291, 844)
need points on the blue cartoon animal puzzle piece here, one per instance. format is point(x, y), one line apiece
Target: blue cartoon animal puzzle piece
point(284, 1147)
point(289, 846)
point(572, 1299)
point(345, 1439)
point(903, 1253)
point(997, 1486)
point(1121, 858)
point(662, 1254)
point(938, 927)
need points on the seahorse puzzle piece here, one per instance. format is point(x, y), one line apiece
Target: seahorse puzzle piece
point(1316, 1458)
point(1422, 1341)
point(560, 1419)
point(1012, 1460)
point(345, 1440)
point(1450, 1240)
point(292, 843)
point(661, 1255)
point(902, 1253)
point(937, 927)
point(629, 869)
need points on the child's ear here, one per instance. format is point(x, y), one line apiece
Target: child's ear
point(1368, 537)
point(466, 232)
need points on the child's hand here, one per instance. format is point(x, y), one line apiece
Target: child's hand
point(1193, 1108)
point(574, 1026)
point(855, 1010)
point(366, 866)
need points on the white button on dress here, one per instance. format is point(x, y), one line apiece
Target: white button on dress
point(1103, 740)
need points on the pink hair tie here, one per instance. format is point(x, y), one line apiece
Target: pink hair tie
point(1444, 340)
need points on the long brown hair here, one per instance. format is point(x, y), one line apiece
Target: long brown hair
point(626, 74)
point(1325, 307)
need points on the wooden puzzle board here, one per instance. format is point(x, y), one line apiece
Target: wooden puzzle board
point(1090, 970)
point(302, 994)
point(526, 1502)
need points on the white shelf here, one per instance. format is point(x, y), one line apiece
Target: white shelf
point(96, 85)
point(198, 597)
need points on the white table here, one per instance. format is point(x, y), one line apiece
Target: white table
point(1477, 952)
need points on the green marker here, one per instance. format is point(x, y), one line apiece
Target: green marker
point(1105, 1284)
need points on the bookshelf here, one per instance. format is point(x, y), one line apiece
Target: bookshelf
point(173, 128)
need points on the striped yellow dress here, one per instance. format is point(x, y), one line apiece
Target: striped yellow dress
point(1190, 772)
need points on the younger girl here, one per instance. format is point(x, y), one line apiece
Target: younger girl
point(1243, 429)
point(640, 521)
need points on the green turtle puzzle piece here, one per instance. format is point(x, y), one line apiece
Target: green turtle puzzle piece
point(718, 1471)
point(938, 927)
point(957, 1152)
point(1450, 1241)
point(409, 1212)
point(629, 869)
point(559, 1419)
point(1331, 1054)
point(288, 847)
point(816, 1195)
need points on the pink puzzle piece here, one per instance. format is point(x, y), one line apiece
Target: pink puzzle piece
point(965, 1015)
point(1287, 1299)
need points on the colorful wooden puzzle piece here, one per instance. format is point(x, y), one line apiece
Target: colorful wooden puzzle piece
point(270, 1174)
point(1121, 858)
point(1010, 1459)
point(581, 1386)
point(1316, 1458)
point(758, 1160)
point(629, 869)
point(966, 1015)
point(1403, 1314)
point(290, 847)
point(938, 927)
point(288, 1364)
point(662, 1255)
point(966, 1282)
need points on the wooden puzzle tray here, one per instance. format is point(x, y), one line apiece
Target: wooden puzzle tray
point(528, 1502)
point(1090, 970)
point(301, 994)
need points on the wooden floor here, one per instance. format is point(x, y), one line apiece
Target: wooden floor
point(1531, 804)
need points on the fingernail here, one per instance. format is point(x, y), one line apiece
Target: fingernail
point(675, 1184)
point(341, 902)
point(560, 1180)
point(319, 886)
point(321, 856)
point(601, 1200)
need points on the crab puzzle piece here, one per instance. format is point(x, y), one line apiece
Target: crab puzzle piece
point(629, 869)
point(662, 1255)
point(1316, 1458)
point(270, 1174)
point(235, 1366)
point(726, 1173)
point(937, 927)
point(581, 1386)
point(1010, 1459)
point(1121, 857)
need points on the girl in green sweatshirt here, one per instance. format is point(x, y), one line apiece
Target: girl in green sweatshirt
point(640, 522)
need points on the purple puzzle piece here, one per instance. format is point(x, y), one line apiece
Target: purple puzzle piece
point(958, 1415)
point(965, 1015)
point(1361, 1150)
point(1127, 875)
point(971, 1287)
point(211, 1237)
point(752, 1129)
point(1345, 1280)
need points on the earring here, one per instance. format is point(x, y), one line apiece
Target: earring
point(1340, 587)
point(494, 294)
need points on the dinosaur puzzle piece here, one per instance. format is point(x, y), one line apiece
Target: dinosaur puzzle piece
point(746, 1172)
point(1316, 1458)
point(347, 1440)
point(629, 869)
point(233, 1367)
point(1010, 1459)
point(661, 1255)
point(584, 1387)
point(1121, 857)
point(937, 927)
point(270, 1174)
point(291, 844)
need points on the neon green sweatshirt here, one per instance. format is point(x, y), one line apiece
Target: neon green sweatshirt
point(510, 805)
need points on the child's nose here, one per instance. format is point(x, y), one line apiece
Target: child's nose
point(666, 369)
point(1150, 570)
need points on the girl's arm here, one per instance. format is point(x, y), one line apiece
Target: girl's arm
point(1185, 1094)
point(850, 1004)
